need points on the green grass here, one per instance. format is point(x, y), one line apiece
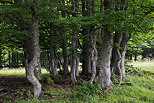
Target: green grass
point(15, 72)
point(144, 65)
point(141, 89)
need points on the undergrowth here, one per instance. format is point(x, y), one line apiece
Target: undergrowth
point(141, 90)
point(87, 91)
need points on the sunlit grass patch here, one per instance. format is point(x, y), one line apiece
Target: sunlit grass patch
point(15, 71)
point(12, 72)
point(139, 92)
point(144, 65)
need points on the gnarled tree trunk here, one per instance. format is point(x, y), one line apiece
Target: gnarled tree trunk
point(93, 56)
point(33, 54)
point(120, 42)
point(118, 55)
point(123, 45)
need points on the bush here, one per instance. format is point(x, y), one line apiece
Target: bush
point(56, 78)
point(47, 79)
point(87, 91)
point(114, 78)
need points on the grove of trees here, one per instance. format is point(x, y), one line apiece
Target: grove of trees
point(75, 37)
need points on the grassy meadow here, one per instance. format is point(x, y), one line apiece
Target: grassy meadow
point(144, 65)
point(16, 72)
point(135, 89)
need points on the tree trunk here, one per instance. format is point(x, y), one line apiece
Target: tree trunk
point(87, 10)
point(116, 56)
point(1, 62)
point(123, 45)
point(144, 54)
point(124, 42)
point(106, 51)
point(135, 57)
point(120, 41)
point(25, 54)
point(77, 67)
point(105, 59)
point(9, 59)
point(74, 57)
point(64, 44)
point(93, 56)
point(52, 62)
point(33, 54)
point(65, 55)
point(14, 63)
point(44, 59)
point(74, 44)
point(52, 57)
point(86, 56)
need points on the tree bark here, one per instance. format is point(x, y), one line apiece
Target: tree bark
point(87, 10)
point(123, 45)
point(33, 54)
point(74, 44)
point(64, 44)
point(9, 59)
point(65, 55)
point(0, 57)
point(105, 59)
point(93, 56)
point(77, 67)
point(52, 62)
point(52, 57)
point(106, 51)
point(74, 57)
point(86, 55)
point(116, 56)
point(14, 60)
point(120, 41)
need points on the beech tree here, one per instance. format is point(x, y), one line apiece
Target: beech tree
point(59, 34)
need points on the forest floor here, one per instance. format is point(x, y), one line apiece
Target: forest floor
point(137, 88)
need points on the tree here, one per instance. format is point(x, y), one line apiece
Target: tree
point(105, 53)
point(33, 51)
point(74, 44)
point(92, 32)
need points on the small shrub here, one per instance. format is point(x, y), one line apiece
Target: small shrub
point(87, 91)
point(114, 78)
point(47, 79)
point(56, 78)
